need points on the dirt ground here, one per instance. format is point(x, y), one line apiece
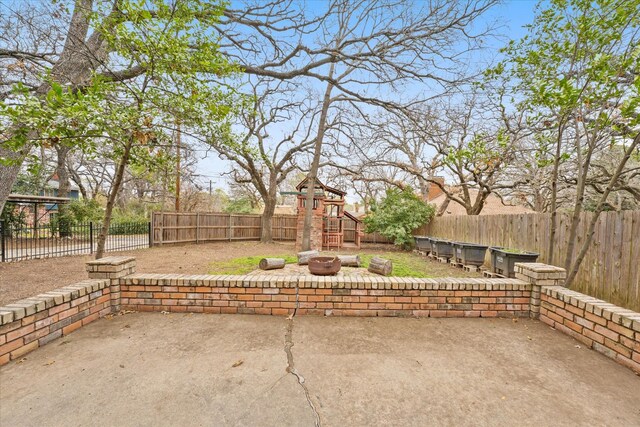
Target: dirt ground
point(213, 370)
point(27, 278)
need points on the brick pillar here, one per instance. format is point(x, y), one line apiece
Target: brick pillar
point(112, 268)
point(317, 223)
point(539, 275)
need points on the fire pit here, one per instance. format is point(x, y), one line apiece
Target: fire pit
point(324, 265)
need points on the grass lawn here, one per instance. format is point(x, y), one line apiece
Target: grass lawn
point(405, 264)
point(247, 264)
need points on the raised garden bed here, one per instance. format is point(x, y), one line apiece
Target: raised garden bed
point(423, 243)
point(503, 259)
point(442, 248)
point(469, 253)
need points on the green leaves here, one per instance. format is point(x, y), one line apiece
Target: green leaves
point(574, 54)
point(172, 72)
point(397, 215)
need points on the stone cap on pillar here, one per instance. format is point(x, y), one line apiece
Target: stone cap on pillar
point(540, 274)
point(111, 267)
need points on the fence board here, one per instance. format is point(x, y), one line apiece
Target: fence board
point(610, 270)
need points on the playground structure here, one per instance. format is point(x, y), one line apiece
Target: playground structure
point(329, 217)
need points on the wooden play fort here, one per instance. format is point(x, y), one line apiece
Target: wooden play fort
point(329, 218)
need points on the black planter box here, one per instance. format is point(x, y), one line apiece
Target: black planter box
point(469, 253)
point(442, 248)
point(503, 261)
point(423, 243)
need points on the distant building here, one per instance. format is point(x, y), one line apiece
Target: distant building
point(493, 205)
point(52, 190)
point(41, 208)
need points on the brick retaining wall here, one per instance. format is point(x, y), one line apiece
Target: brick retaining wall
point(337, 296)
point(30, 323)
point(114, 285)
point(606, 328)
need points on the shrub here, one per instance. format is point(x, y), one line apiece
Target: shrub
point(131, 227)
point(82, 211)
point(13, 218)
point(397, 215)
point(239, 206)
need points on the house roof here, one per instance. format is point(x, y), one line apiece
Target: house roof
point(321, 185)
point(493, 205)
point(352, 217)
point(55, 184)
point(28, 198)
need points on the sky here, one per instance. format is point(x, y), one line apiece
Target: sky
point(513, 15)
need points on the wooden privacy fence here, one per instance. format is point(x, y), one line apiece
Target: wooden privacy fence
point(610, 270)
point(200, 227)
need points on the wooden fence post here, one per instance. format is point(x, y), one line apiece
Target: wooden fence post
point(197, 227)
point(161, 229)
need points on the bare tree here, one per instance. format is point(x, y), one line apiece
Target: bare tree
point(264, 154)
point(466, 138)
point(363, 51)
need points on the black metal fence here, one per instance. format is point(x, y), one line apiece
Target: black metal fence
point(50, 240)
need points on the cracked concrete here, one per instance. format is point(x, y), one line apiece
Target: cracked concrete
point(291, 368)
point(212, 370)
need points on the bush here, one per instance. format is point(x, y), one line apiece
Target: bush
point(134, 211)
point(83, 211)
point(122, 228)
point(13, 218)
point(397, 215)
point(239, 206)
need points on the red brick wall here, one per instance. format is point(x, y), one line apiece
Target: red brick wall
point(316, 230)
point(362, 296)
point(30, 323)
point(606, 328)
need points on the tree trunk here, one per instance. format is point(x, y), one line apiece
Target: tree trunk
point(115, 188)
point(304, 257)
point(573, 271)
point(554, 195)
point(64, 222)
point(443, 206)
point(266, 234)
point(9, 173)
point(78, 181)
point(313, 172)
point(380, 266)
point(583, 170)
point(350, 260)
point(271, 263)
point(270, 199)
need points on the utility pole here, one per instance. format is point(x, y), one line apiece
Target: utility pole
point(210, 188)
point(178, 166)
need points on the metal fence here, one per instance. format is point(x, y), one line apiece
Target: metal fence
point(51, 240)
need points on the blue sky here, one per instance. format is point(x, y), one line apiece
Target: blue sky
point(511, 14)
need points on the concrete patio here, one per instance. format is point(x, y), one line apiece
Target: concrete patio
point(203, 369)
